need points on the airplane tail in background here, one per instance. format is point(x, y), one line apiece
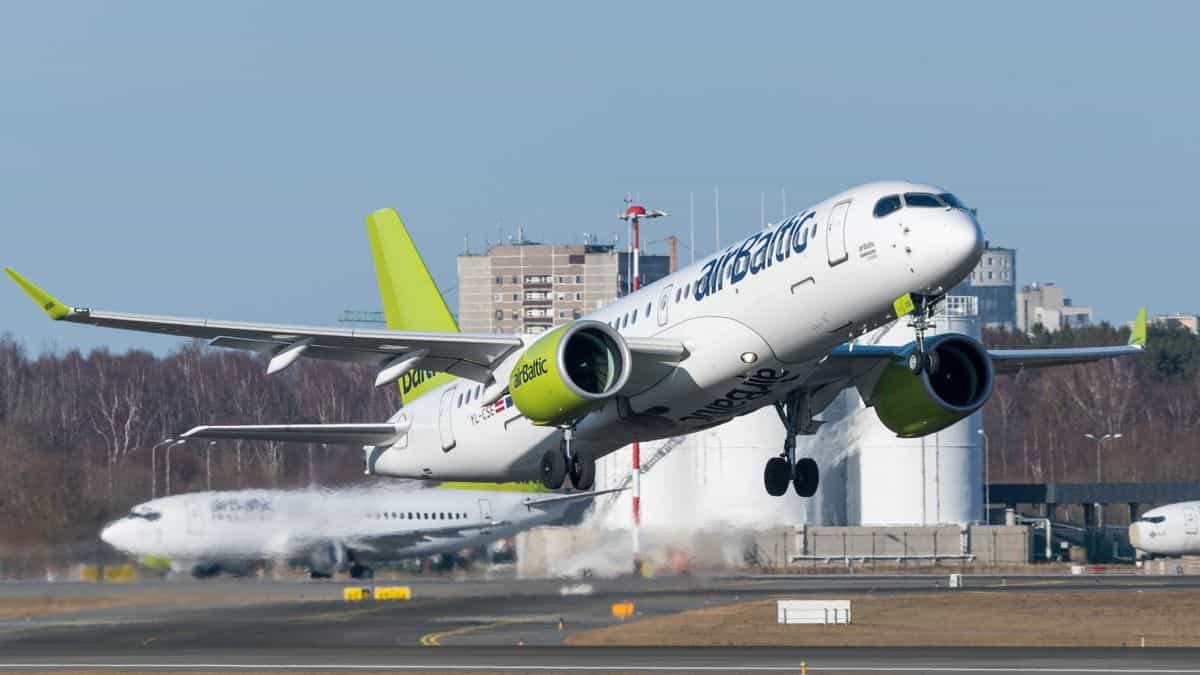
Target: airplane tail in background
point(411, 300)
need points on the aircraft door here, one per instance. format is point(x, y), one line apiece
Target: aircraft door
point(1190, 524)
point(664, 304)
point(485, 510)
point(195, 517)
point(445, 423)
point(835, 234)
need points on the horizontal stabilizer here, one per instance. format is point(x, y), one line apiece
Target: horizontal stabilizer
point(573, 497)
point(333, 434)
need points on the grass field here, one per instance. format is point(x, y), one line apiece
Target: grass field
point(1165, 618)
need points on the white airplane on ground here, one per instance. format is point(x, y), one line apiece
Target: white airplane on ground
point(326, 530)
point(1170, 530)
point(768, 321)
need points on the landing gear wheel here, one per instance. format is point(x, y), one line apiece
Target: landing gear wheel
point(916, 362)
point(583, 471)
point(554, 469)
point(315, 574)
point(932, 362)
point(806, 478)
point(358, 571)
point(776, 476)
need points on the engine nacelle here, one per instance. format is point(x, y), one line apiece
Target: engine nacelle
point(919, 405)
point(568, 372)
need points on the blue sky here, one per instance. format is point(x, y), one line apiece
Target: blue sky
point(217, 159)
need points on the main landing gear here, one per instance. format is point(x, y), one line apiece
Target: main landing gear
point(558, 465)
point(803, 474)
point(919, 360)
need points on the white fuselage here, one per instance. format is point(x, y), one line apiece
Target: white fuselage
point(373, 522)
point(781, 299)
point(1170, 530)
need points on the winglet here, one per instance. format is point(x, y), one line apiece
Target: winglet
point(1137, 335)
point(53, 307)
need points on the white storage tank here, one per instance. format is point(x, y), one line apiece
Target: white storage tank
point(708, 479)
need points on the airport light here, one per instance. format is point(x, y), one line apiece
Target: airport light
point(1100, 441)
point(154, 466)
point(168, 479)
point(987, 486)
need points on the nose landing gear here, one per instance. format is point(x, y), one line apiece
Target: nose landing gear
point(803, 474)
point(558, 465)
point(923, 308)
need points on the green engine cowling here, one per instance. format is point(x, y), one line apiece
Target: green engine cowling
point(919, 405)
point(568, 372)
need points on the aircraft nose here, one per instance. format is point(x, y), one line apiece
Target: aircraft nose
point(116, 534)
point(963, 239)
point(1135, 535)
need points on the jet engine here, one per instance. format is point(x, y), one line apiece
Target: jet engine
point(568, 372)
point(326, 558)
point(957, 382)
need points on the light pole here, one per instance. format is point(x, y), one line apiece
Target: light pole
point(987, 486)
point(208, 465)
point(634, 214)
point(154, 466)
point(1100, 441)
point(168, 479)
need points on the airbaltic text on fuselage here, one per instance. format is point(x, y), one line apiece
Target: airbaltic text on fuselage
point(756, 253)
point(528, 371)
point(762, 382)
point(414, 378)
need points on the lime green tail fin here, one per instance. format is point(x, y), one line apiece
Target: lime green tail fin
point(411, 300)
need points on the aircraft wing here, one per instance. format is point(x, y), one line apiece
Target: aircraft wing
point(333, 434)
point(542, 502)
point(472, 356)
point(852, 364)
point(410, 537)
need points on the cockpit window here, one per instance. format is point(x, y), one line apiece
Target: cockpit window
point(953, 201)
point(889, 204)
point(1154, 519)
point(923, 200)
point(148, 515)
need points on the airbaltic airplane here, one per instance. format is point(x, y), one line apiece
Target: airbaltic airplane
point(769, 320)
point(1170, 530)
point(326, 530)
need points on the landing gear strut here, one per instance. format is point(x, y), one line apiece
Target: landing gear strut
point(557, 465)
point(803, 474)
point(919, 360)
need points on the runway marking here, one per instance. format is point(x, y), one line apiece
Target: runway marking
point(148, 640)
point(578, 667)
point(342, 615)
point(433, 639)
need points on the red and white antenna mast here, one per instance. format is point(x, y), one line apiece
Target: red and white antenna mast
point(634, 214)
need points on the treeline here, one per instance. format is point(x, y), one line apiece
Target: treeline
point(80, 434)
point(1037, 421)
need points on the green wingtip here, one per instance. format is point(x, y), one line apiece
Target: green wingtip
point(1137, 336)
point(55, 309)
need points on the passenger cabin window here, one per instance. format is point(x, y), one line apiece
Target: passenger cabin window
point(887, 205)
point(922, 200)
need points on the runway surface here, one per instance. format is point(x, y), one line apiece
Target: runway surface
point(505, 625)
